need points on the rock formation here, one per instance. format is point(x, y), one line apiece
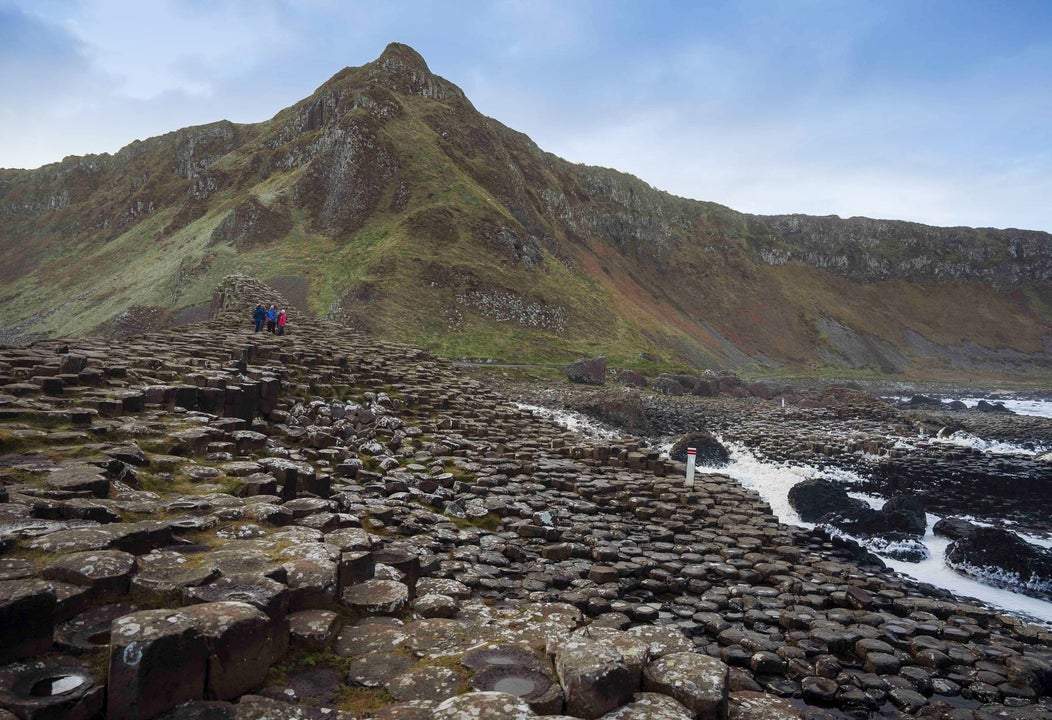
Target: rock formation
point(211, 522)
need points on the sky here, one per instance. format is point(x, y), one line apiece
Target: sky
point(935, 111)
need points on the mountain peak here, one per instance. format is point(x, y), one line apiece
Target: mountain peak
point(399, 58)
point(403, 69)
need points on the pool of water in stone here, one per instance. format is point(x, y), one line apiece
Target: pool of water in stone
point(773, 480)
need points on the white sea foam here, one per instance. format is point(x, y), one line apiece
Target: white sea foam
point(574, 421)
point(773, 480)
point(996, 447)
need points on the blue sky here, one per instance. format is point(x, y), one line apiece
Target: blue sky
point(927, 110)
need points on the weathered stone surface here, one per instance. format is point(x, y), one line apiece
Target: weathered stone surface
point(424, 683)
point(143, 680)
point(313, 630)
point(385, 597)
point(106, 572)
point(483, 706)
point(90, 631)
point(650, 706)
point(697, 681)
point(27, 618)
point(242, 643)
point(59, 688)
point(269, 596)
point(760, 706)
point(591, 371)
point(593, 676)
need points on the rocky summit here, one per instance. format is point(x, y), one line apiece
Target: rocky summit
point(385, 199)
point(207, 522)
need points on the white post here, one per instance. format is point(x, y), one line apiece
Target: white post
point(691, 453)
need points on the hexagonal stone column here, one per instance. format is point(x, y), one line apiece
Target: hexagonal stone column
point(27, 618)
point(594, 678)
point(698, 682)
point(242, 645)
point(158, 660)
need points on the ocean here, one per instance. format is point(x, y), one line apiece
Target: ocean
point(772, 481)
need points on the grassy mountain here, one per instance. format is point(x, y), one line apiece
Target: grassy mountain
point(386, 200)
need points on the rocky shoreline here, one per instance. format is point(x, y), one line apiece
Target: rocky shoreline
point(208, 523)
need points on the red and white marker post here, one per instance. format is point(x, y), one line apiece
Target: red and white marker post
point(691, 458)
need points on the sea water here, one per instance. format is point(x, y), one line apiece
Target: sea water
point(772, 482)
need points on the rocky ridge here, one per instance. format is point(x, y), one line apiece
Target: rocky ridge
point(387, 200)
point(214, 523)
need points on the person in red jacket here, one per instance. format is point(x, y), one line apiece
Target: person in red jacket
point(282, 319)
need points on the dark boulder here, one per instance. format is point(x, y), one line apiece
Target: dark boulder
point(620, 407)
point(816, 497)
point(923, 400)
point(995, 407)
point(668, 385)
point(953, 528)
point(956, 405)
point(591, 371)
point(904, 513)
point(1001, 555)
point(710, 453)
point(632, 378)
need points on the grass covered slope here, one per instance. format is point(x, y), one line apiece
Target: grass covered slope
point(387, 201)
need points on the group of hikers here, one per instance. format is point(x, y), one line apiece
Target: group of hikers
point(274, 318)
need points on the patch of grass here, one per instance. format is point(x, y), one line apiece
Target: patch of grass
point(361, 701)
point(490, 522)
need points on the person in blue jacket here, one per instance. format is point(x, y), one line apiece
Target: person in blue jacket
point(272, 318)
point(259, 316)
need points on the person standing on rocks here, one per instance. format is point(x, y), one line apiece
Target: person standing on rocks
point(282, 319)
point(272, 318)
point(259, 316)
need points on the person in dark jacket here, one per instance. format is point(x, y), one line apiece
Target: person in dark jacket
point(272, 318)
point(259, 316)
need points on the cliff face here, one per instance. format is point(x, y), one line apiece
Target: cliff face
point(386, 200)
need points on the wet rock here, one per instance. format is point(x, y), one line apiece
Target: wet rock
point(698, 682)
point(710, 453)
point(905, 513)
point(143, 680)
point(544, 696)
point(953, 528)
point(814, 498)
point(1005, 557)
point(90, 631)
point(58, 688)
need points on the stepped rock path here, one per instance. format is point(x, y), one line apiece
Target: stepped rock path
point(212, 523)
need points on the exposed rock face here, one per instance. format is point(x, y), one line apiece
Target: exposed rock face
point(1006, 557)
point(710, 453)
point(816, 498)
point(590, 371)
point(569, 258)
point(869, 250)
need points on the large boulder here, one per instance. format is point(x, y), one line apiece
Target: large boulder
point(1002, 557)
point(591, 371)
point(594, 677)
point(620, 407)
point(905, 513)
point(710, 452)
point(816, 497)
point(698, 682)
